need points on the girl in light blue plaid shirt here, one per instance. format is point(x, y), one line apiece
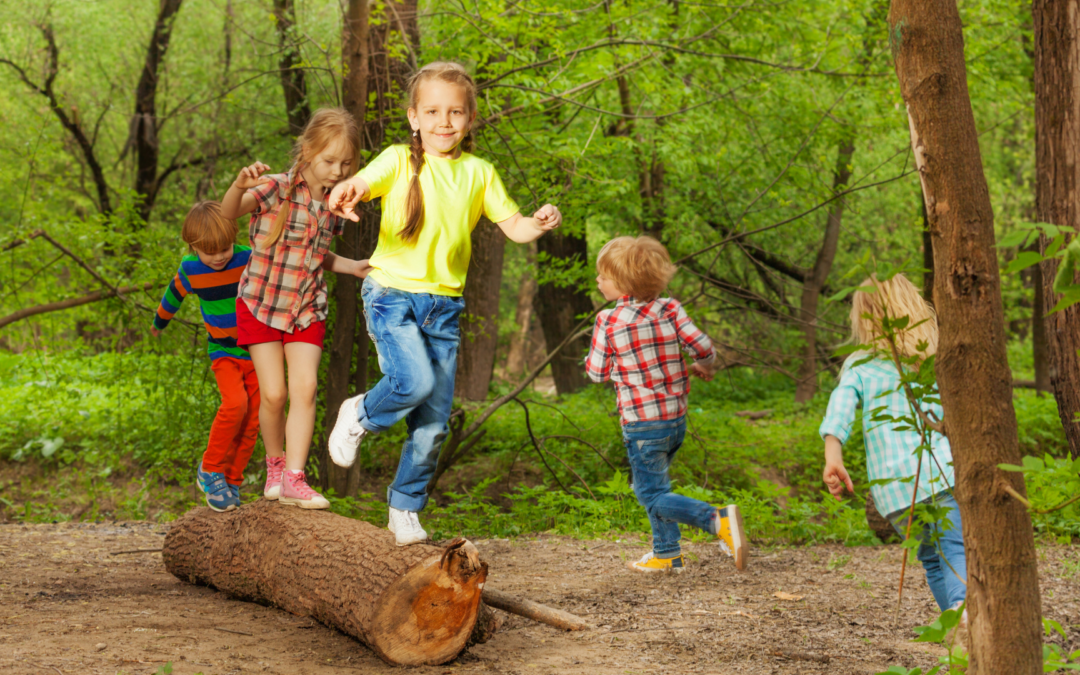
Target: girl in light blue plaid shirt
point(870, 381)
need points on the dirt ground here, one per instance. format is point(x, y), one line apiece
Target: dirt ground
point(67, 605)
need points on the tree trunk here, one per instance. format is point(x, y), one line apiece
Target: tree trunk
point(811, 293)
point(517, 358)
point(927, 255)
point(144, 124)
point(413, 605)
point(971, 366)
point(559, 308)
point(480, 321)
point(1057, 191)
point(292, 75)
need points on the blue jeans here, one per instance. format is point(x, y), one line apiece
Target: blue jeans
point(948, 589)
point(417, 337)
point(651, 445)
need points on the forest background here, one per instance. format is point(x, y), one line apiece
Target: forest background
point(765, 143)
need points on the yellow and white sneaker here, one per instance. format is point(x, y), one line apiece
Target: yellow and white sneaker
point(650, 563)
point(729, 529)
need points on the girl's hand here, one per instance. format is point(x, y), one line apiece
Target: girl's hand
point(836, 478)
point(701, 371)
point(342, 202)
point(250, 176)
point(548, 217)
point(362, 268)
point(155, 332)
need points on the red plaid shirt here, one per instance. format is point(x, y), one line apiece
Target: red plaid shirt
point(637, 347)
point(283, 286)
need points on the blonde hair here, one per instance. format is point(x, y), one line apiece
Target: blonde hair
point(325, 126)
point(639, 266)
point(443, 71)
point(895, 297)
point(207, 230)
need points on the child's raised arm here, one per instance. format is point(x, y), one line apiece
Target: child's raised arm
point(522, 230)
point(698, 344)
point(346, 195)
point(237, 200)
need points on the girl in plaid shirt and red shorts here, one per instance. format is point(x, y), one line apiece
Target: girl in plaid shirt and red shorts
point(637, 346)
point(281, 297)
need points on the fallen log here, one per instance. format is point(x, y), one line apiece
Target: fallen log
point(413, 605)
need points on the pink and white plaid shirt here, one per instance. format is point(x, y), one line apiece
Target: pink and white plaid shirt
point(637, 346)
point(283, 285)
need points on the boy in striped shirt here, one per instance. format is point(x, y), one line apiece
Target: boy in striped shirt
point(211, 271)
point(637, 346)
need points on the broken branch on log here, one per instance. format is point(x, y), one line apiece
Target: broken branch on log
point(534, 610)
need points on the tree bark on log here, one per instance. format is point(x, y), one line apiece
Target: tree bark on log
point(1057, 188)
point(972, 368)
point(413, 605)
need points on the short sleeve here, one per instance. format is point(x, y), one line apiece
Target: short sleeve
point(381, 173)
point(266, 195)
point(498, 206)
point(843, 404)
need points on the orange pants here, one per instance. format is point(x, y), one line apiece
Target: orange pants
point(236, 426)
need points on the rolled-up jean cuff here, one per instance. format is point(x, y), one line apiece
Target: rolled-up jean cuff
point(403, 502)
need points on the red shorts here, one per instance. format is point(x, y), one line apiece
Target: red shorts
point(251, 331)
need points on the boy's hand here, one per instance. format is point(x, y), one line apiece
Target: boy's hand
point(250, 176)
point(836, 477)
point(342, 202)
point(701, 371)
point(548, 217)
point(155, 332)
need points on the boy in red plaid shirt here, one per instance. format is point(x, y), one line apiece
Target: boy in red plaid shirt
point(637, 346)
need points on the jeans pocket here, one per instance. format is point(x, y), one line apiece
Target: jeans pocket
point(653, 454)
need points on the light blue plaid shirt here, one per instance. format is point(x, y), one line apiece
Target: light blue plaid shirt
point(890, 453)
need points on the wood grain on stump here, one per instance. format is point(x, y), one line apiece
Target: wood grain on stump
point(413, 605)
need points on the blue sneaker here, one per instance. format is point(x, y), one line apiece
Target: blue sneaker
point(234, 490)
point(218, 495)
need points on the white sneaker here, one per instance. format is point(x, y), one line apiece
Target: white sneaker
point(347, 432)
point(406, 527)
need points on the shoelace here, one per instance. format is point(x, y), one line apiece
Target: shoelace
point(274, 469)
point(300, 485)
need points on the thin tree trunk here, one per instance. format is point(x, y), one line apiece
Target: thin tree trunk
point(972, 367)
point(811, 293)
point(292, 75)
point(413, 605)
point(559, 308)
point(480, 321)
point(517, 357)
point(1057, 191)
point(1039, 347)
point(144, 124)
point(927, 254)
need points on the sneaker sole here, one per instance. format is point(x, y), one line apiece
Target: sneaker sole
point(302, 503)
point(230, 507)
point(655, 570)
point(738, 536)
point(409, 543)
point(273, 493)
point(335, 436)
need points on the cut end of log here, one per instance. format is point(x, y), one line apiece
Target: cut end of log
point(427, 616)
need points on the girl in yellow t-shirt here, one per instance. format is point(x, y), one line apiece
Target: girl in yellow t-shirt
point(434, 192)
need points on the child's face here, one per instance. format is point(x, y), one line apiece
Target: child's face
point(327, 167)
point(216, 260)
point(442, 116)
point(607, 288)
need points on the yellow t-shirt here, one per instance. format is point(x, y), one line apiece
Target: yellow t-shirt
point(456, 193)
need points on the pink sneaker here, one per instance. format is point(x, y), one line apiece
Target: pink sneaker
point(274, 467)
point(296, 491)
